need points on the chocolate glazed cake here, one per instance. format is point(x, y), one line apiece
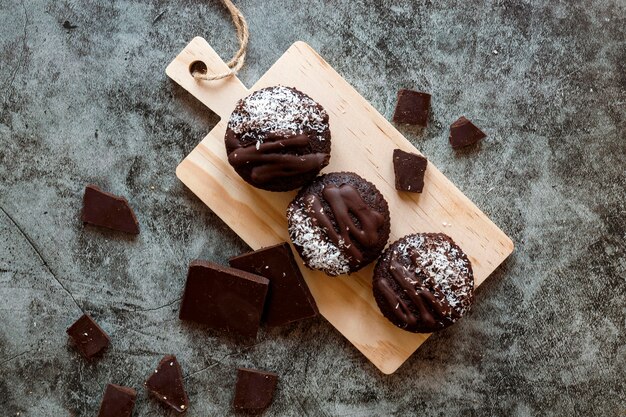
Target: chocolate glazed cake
point(423, 282)
point(278, 138)
point(339, 223)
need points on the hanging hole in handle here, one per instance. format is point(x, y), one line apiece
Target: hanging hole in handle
point(198, 67)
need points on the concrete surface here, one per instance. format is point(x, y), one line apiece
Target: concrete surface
point(545, 79)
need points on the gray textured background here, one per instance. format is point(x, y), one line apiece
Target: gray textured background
point(545, 79)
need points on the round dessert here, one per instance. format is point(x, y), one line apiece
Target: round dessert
point(423, 282)
point(339, 223)
point(278, 138)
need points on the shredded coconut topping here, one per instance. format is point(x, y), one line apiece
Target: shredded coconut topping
point(443, 268)
point(277, 109)
point(319, 251)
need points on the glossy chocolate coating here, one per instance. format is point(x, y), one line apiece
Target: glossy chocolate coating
point(339, 223)
point(423, 282)
point(271, 159)
point(278, 138)
point(429, 309)
point(345, 202)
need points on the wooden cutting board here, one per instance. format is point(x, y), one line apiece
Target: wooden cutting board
point(362, 142)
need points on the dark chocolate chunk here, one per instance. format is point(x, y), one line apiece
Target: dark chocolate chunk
point(339, 223)
point(88, 337)
point(224, 298)
point(117, 401)
point(108, 210)
point(412, 108)
point(464, 133)
point(166, 384)
point(255, 390)
point(409, 169)
point(423, 282)
point(288, 297)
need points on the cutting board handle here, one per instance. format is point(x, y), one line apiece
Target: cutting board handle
point(219, 95)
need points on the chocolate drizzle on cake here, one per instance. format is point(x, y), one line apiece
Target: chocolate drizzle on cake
point(339, 223)
point(429, 308)
point(278, 138)
point(424, 282)
point(343, 201)
point(268, 159)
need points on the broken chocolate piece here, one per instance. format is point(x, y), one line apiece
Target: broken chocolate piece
point(288, 298)
point(464, 133)
point(224, 298)
point(108, 210)
point(117, 401)
point(254, 390)
point(166, 384)
point(409, 169)
point(88, 337)
point(412, 108)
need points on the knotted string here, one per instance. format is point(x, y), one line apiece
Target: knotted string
point(238, 59)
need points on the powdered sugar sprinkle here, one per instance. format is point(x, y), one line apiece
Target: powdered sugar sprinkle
point(277, 109)
point(442, 267)
point(317, 249)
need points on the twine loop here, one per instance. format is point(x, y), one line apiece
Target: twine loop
point(238, 59)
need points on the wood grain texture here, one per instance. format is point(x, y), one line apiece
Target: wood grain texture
point(362, 142)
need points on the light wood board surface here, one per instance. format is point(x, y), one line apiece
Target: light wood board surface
point(362, 142)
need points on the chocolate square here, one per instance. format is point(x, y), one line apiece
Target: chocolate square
point(254, 390)
point(166, 384)
point(224, 298)
point(409, 169)
point(464, 133)
point(412, 108)
point(288, 298)
point(88, 338)
point(108, 210)
point(117, 401)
